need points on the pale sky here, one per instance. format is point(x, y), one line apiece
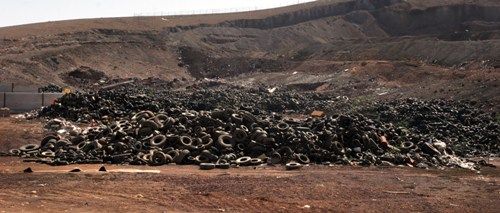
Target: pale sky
point(16, 12)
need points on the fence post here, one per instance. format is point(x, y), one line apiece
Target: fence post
point(12, 88)
point(43, 98)
point(4, 99)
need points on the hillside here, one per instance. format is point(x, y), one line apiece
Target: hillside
point(385, 48)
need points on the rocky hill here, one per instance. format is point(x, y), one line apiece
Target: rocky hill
point(359, 48)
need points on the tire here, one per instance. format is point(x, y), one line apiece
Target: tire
point(158, 140)
point(243, 161)
point(186, 141)
point(150, 123)
point(303, 159)
point(282, 126)
point(223, 165)
point(48, 154)
point(143, 115)
point(407, 146)
point(255, 161)
point(180, 158)
point(173, 154)
point(275, 158)
point(63, 143)
point(206, 142)
point(207, 166)
point(15, 152)
point(293, 166)
point(158, 158)
point(29, 147)
point(47, 138)
point(162, 120)
point(225, 141)
point(137, 146)
point(239, 135)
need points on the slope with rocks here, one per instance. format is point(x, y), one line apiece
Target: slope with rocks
point(357, 47)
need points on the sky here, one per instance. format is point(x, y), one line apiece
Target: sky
point(16, 12)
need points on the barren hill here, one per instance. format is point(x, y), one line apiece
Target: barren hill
point(359, 48)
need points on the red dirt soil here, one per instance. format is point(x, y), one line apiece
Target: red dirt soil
point(261, 189)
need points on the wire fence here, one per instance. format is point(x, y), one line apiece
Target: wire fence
point(214, 11)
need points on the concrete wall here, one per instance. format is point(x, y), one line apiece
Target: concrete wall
point(8, 87)
point(1, 99)
point(27, 101)
point(23, 101)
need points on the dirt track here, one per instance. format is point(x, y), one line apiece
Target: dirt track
point(268, 189)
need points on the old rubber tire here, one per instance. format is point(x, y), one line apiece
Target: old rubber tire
point(29, 147)
point(47, 138)
point(255, 161)
point(282, 126)
point(158, 158)
point(223, 165)
point(303, 159)
point(225, 141)
point(293, 166)
point(48, 154)
point(158, 140)
point(15, 152)
point(243, 161)
point(207, 166)
point(407, 146)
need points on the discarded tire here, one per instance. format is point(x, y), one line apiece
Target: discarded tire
point(207, 166)
point(293, 166)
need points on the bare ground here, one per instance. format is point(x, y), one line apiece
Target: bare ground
point(262, 189)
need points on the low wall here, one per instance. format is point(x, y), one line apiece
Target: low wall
point(27, 101)
point(11, 87)
point(2, 99)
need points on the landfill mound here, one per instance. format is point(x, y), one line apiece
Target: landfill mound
point(227, 126)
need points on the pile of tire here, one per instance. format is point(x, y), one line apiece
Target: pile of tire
point(221, 138)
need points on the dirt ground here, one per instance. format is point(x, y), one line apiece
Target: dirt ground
point(261, 189)
point(252, 189)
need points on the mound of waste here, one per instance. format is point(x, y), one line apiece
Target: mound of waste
point(223, 127)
